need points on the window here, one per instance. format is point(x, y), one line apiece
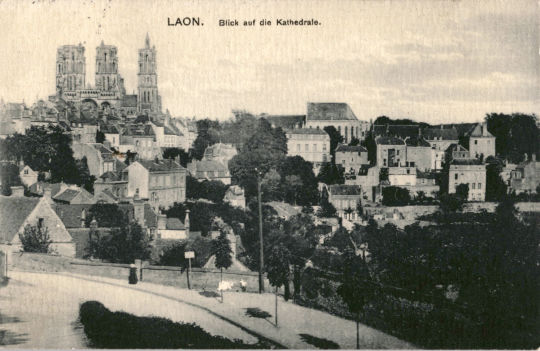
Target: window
point(479, 185)
point(476, 142)
point(473, 186)
point(137, 192)
point(25, 172)
point(40, 222)
point(456, 176)
point(384, 162)
point(397, 152)
point(298, 147)
point(306, 147)
point(324, 147)
point(315, 147)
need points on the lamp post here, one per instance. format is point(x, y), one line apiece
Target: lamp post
point(261, 247)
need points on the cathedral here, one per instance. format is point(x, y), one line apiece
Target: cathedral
point(109, 93)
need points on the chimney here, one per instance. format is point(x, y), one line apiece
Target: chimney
point(533, 157)
point(48, 195)
point(17, 191)
point(161, 221)
point(138, 211)
point(186, 223)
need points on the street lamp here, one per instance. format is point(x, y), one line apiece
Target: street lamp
point(261, 247)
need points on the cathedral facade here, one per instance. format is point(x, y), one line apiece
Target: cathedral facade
point(108, 92)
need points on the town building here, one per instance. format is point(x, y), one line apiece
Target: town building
point(171, 228)
point(525, 178)
point(220, 152)
point(209, 170)
point(99, 158)
point(73, 195)
point(19, 211)
point(311, 144)
point(481, 142)
point(110, 187)
point(161, 182)
point(367, 178)
point(468, 171)
point(339, 116)
point(420, 154)
point(345, 198)
point(401, 131)
point(402, 176)
point(140, 139)
point(441, 138)
point(391, 152)
point(351, 158)
point(28, 175)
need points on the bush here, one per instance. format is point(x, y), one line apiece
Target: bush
point(395, 196)
point(114, 330)
point(35, 239)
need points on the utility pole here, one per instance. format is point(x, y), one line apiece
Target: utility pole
point(261, 256)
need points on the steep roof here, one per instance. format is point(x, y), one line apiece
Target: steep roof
point(327, 111)
point(348, 148)
point(480, 131)
point(160, 166)
point(417, 142)
point(210, 165)
point(139, 130)
point(108, 128)
point(313, 131)
point(342, 189)
point(389, 141)
point(14, 212)
point(174, 223)
point(286, 121)
point(401, 131)
point(440, 133)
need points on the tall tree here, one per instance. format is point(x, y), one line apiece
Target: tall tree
point(300, 170)
point(208, 133)
point(335, 139)
point(221, 247)
point(277, 268)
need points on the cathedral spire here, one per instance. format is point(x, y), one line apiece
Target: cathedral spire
point(147, 40)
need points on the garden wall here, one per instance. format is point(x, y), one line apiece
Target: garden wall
point(201, 278)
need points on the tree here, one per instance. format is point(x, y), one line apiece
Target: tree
point(327, 209)
point(174, 152)
point(222, 250)
point(271, 186)
point(213, 190)
point(354, 141)
point(496, 189)
point(302, 186)
point(335, 139)
point(106, 215)
point(516, 135)
point(35, 239)
point(208, 133)
point(9, 176)
point(86, 180)
point(356, 288)
point(277, 268)
point(122, 245)
point(395, 196)
point(100, 137)
point(462, 191)
point(331, 174)
point(262, 152)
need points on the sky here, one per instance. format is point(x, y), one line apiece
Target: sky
point(433, 61)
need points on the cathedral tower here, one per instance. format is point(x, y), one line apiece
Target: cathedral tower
point(70, 68)
point(107, 77)
point(148, 99)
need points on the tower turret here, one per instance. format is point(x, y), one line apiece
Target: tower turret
point(70, 68)
point(148, 99)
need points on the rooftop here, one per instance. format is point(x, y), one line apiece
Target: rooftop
point(14, 212)
point(401, 131)
point(341, 189)
point(286, 121)
point(385, 140)
point(326, 111)
point(313, 131)
point(440, 133)
point(160, 166)
point(348, 148)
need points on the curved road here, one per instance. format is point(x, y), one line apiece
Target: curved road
point(40, 310)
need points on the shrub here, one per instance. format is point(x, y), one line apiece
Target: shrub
point(35, 239)
point(112, 330)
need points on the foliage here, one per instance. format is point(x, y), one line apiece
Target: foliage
point(221, 248)
point(9, 176)
point(44, 149)
point(331, 174)
point(106, 215)
point(516, 134)
point(35, 239)
point(271, 186)
point(277, 265)
point(326, 209)
point(383, 120)
point(263, 151)
point(207, 134)
point(299, 183)
point(173, 255)
point(319, 343)
point(354, 141)
point(371, 146)
point(174, 152)
point(395, 196)
point(238, 130)
point(356, 288)
point(123, 245)
point(462, 191)
point(212, 190)
point(450, 203)
point(335, 139)
point(116, 330)
point(496, 189)
point(85, 178)
point(100, 137)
